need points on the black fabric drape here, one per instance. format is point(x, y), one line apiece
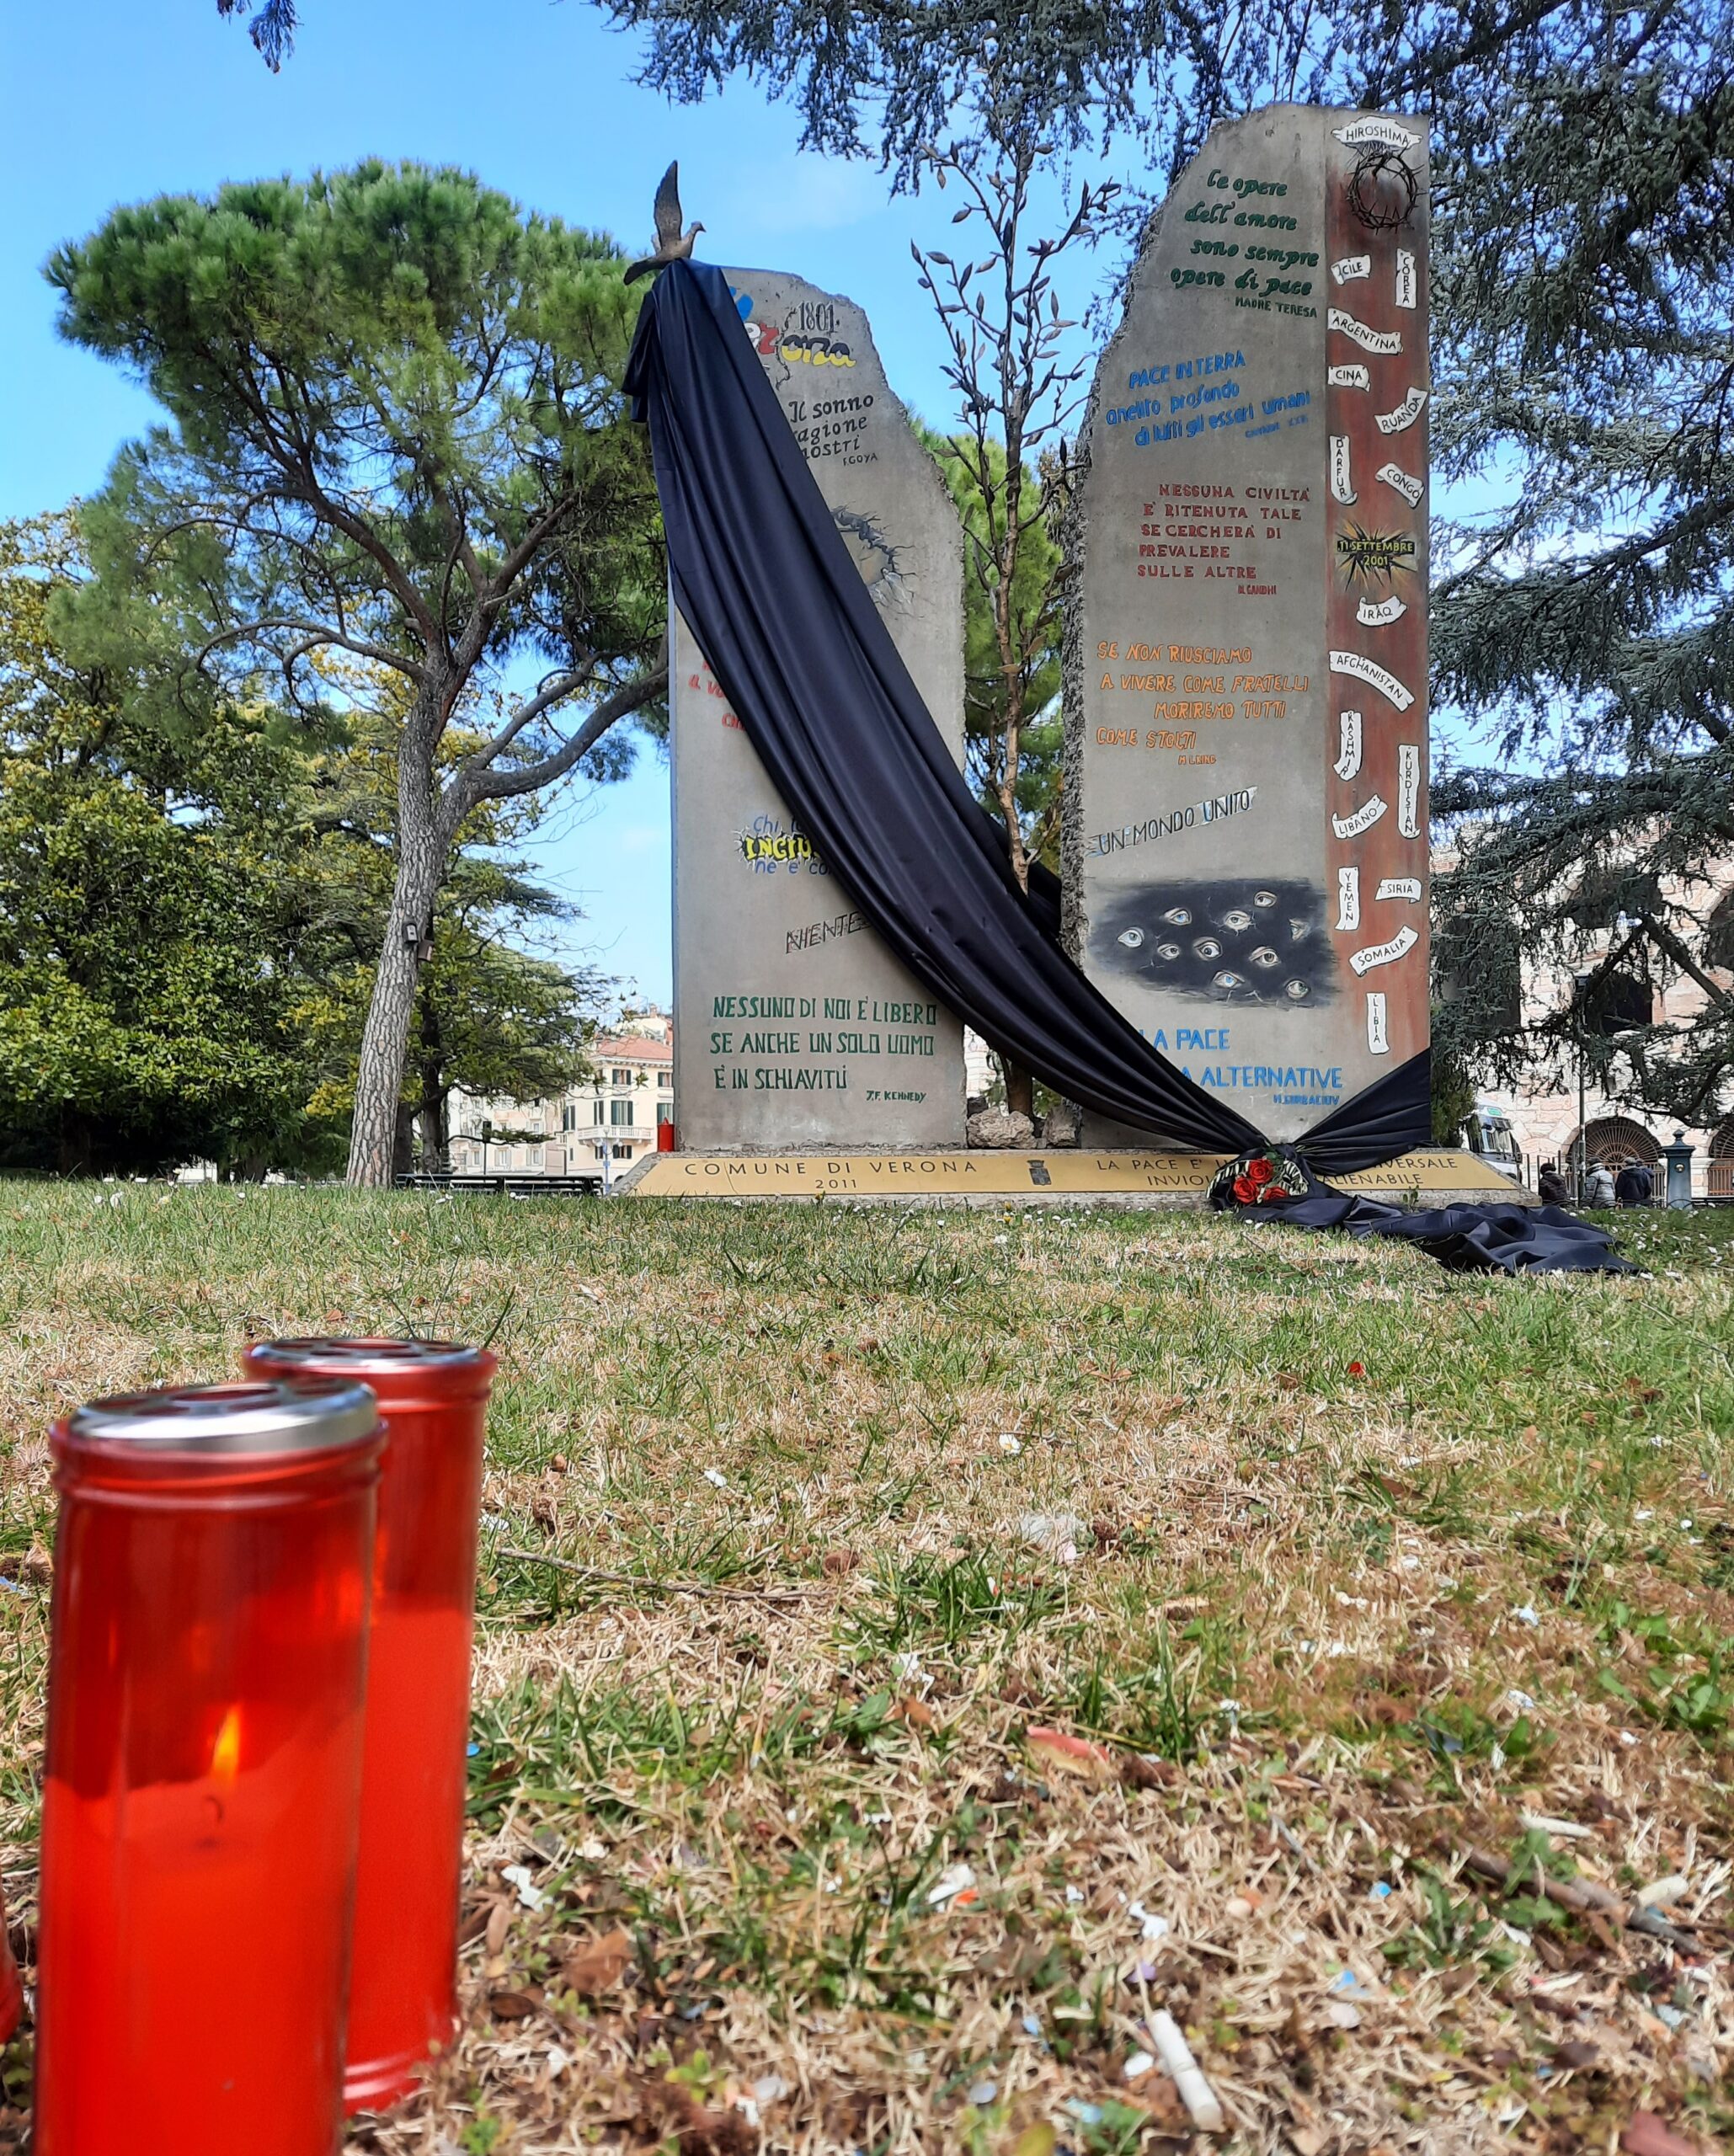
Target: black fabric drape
point(766, 583)
point(1465, 1238)
point(1390, 1117)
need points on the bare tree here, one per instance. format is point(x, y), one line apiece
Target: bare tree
point(1020, 384)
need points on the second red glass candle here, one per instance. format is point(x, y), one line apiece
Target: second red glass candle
point(433, 1398)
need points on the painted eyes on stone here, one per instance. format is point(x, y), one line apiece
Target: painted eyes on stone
point(1297, 991)
point(1167, 950)
point(1132, 938)
point(1237, 918)
point(1179, 916)
point(1263, 956)
point(1264, 898)
point(1207, 946)
point(1229, 979)
point(1297, 931)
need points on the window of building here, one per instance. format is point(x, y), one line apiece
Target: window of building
point(600, 1152)
point(1607, 889)
point(596, 1115)
point(1719, 936)
point(536, 1156)
point(621, 1075)
point(619, 1112)
point(665, 1081)
point(1611, 1138)
point(1477, 962)
point(622, 1152)
point(665, 1113)
point(569, 1116)
point(1616, 1002)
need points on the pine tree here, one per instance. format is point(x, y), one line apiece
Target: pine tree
point(1586, 627)
point(396, 433)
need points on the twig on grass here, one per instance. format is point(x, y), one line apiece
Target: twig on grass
point(663, 1587)
point(1579, 1896)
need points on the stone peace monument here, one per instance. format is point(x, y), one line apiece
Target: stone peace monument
point(1244, 850)
point(795, 1028)
point(1246, 844)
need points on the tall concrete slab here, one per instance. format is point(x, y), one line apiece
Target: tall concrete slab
point(794, 1026)
point(1246, 843)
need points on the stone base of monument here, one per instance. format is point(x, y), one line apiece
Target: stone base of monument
point(1081, 1178)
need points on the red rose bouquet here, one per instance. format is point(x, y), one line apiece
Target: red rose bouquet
point(1268, 1177)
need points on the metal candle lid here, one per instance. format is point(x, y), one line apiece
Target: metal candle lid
point(313, 1416)
point(363, 1354)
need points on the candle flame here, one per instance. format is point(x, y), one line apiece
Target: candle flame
point(225, 1753)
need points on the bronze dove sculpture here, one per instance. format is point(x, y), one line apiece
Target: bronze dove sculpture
point(672, 244)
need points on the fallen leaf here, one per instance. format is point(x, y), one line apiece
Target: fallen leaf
point(1013, 1960)
point(498, 1922)
point(1038, 2140)
point(675, 2113)
point(1137, 1772)
point(1163, 2108)
point(599, 1964)
point(837, 1562)
point(1577, 2055)
point(916, 1712)
point(1074, 1755)
point(1646, 2136)
point(513, 2006)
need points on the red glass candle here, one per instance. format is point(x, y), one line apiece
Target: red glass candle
point(433, 1395)
point(12, 1990)
point(205, 1722)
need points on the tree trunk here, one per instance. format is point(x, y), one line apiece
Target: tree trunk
point(404, 1140)
point(385, 1039)
point(1020, 1091)
point(435, 1140)
point(73, 1148)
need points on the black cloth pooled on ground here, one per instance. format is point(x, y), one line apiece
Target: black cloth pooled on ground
point(1466, 1238)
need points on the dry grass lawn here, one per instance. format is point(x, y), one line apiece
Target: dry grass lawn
point(1108, 1615)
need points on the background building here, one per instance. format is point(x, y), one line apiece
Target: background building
point(599, 1127)
point(1559, 1096)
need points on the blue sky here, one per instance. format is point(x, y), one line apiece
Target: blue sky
point(114, 102)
